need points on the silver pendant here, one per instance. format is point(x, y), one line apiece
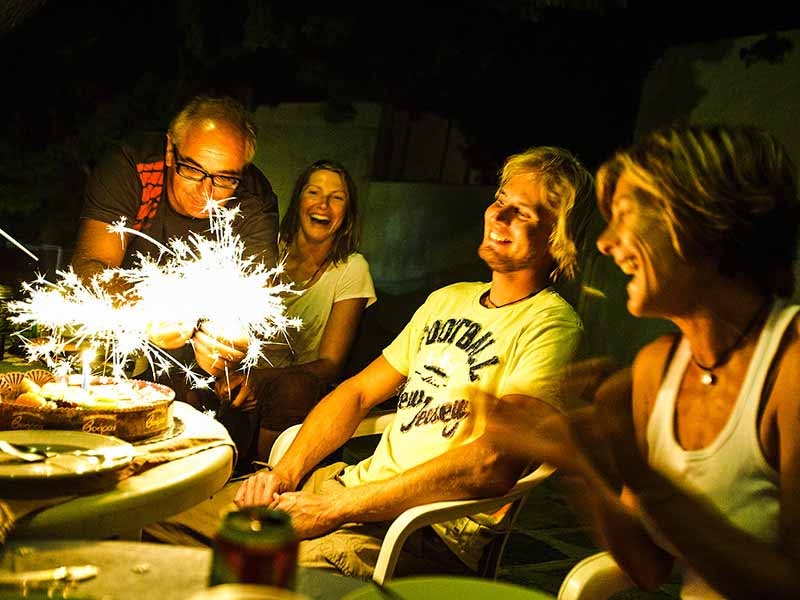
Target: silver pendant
point(708, 378)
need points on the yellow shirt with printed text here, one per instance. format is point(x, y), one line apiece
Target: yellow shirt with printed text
point(458, 357)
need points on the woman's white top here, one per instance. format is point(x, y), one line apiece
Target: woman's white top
point(344, 281)
point(732, 472)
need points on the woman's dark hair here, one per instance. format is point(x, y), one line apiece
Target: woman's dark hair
point(347, 237)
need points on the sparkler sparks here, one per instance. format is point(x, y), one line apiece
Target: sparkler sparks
point(206, 283)
point(76, 315)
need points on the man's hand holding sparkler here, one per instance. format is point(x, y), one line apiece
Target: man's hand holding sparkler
point(216, 350)
point(170, 335)
point(143, 309)
point(236, 388)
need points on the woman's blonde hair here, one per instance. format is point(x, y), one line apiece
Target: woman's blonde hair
point(722, 191)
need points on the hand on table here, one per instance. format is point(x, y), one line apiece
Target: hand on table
point(215, 350)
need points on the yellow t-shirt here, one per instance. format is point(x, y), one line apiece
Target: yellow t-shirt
point(457, 355)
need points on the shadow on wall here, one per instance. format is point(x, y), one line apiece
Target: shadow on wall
point(601, 300)
point(675, 85)
point(420, 236)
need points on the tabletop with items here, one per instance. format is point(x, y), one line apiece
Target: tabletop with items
point(105, 469)
point(133, 570)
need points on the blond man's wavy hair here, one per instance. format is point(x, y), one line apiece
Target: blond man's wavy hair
point(569, 194)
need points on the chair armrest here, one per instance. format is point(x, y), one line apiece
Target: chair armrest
point(425, 514)
point(282, 443)
point(373, 424)
point(596, 577)
point(436, 512)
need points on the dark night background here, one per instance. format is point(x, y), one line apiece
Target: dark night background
point(78, 74)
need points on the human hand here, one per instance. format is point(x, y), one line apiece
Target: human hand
point(259, 489)
point(216, 350)
point(535, 436)
point(100, 277)
point(312, 514)
point(169, 334)
point(581, 379)
point(235, 389)
point(569, 440)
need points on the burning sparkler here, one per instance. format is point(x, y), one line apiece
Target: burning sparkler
point(18, 245)
point(193, 281)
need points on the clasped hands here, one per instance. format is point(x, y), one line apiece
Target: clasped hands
point(214, 348)
point(312, 514)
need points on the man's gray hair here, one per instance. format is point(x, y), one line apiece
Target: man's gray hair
point(225, 109)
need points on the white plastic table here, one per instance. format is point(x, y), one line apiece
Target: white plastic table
point(147, 497)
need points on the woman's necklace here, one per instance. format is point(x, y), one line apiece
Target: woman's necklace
point(708, 377)
point(489, 304)
point(305, 283)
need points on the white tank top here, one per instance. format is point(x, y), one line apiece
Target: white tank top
point(731, 472)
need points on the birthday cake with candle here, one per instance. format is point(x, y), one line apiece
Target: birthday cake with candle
point(129, 409)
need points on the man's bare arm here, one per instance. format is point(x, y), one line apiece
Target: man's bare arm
point(477, 469)
point(329, 425)
point(96, 249)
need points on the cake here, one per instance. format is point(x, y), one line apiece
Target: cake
point(129, 409)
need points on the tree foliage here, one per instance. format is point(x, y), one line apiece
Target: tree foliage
point(510, 73)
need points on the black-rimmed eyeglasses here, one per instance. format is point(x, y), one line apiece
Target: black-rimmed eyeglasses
point(192, 173)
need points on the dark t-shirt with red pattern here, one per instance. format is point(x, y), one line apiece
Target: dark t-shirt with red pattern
point(129, 182)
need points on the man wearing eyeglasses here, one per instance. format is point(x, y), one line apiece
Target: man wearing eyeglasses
point(163, 187)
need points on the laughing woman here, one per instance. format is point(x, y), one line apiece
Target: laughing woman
point(704, 221)
point(318, 240)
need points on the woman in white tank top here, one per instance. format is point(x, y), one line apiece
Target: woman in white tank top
point(704, 222)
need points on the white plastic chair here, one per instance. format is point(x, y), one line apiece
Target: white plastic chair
point(596, 577)
point(427, 514)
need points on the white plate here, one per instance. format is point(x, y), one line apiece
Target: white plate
point(64, 466)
